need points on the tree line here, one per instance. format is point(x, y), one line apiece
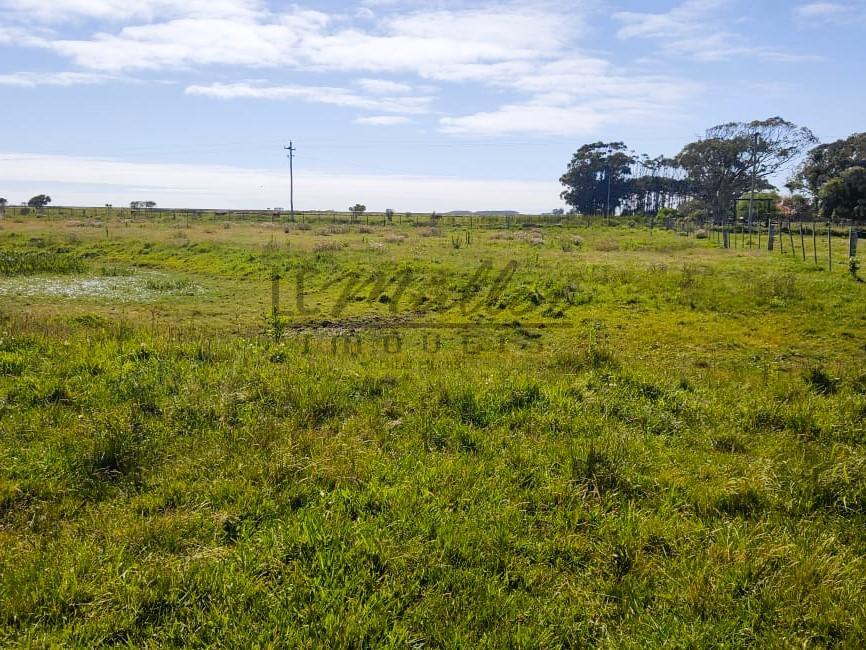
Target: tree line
point(724, 175)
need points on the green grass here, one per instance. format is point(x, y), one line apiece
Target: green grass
point(31, 262)
point(677, 457)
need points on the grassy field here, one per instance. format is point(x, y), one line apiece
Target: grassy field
point(528, 437)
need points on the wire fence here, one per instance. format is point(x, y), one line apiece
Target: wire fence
point(821, 243)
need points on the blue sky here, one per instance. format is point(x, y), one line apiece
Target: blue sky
point(412, 105)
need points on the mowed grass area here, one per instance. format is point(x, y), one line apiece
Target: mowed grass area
point(632, 439)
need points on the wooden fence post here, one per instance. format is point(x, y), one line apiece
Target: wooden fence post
point(802, 242)
point(815, 241)
point(771, 231)
point(829, 246)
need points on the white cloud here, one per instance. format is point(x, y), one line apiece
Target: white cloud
point(526, 51)
point(680, 21)
point(522, 118)
point(574, 95)
point(384, 87)
point(405, 43)
point(195, 41)
point(56, 11)
point(557, 114)
point(20, 37)
point(831, 12)
point(34, 79)
point(315, 94)
point(95, 181)
point(383, 120)
point(695, 29)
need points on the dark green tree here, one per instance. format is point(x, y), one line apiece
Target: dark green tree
point(828, 161)
point(597, 171)
point(845, 195)
point(39, 201)
point(720, 165)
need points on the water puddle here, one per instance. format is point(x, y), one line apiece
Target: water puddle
point(140, 287)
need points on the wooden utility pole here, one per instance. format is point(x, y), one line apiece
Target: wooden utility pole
point(607, 206)
point(754, 183)
point(291, 149)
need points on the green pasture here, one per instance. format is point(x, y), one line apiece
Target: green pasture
point(265, 434)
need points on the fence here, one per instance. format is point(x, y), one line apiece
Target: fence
point(809, 241)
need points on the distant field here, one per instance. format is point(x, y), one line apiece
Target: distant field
point(244, 433)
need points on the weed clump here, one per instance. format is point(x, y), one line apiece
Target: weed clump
point(327, 247)
point(597, 471)
point(745, 502)
point(31, 262)
point(115, 453)
point(595, 357)
point(821, 382)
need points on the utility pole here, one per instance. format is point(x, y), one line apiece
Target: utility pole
point(754, 183)
point(291, 149)
point(607, 206)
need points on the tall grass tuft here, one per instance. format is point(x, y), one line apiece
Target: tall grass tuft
point(32, 262)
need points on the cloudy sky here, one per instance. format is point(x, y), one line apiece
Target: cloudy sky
point(394, 103)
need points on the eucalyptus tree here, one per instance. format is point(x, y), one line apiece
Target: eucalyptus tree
point(828, 161)
point(732, 158)
point(597, 178)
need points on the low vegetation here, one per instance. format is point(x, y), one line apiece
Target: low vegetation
point(609, 437)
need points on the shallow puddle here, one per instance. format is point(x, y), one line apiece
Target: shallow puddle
point(140, 287)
